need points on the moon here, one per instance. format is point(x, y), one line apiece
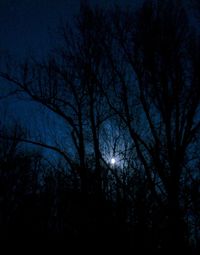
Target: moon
point(112, 161)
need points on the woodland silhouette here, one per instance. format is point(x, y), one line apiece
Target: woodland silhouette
point(126, 86)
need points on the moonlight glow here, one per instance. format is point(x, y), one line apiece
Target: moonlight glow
point(113, 161)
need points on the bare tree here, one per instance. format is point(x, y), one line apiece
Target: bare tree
point(153, 49)
point(138, 71)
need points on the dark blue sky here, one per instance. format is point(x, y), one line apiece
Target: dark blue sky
point(26, 27)
point(25, 24)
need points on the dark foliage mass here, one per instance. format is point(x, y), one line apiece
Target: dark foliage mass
point(126, 85)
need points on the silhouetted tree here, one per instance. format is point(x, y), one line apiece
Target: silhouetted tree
point(154, 50)
point(19, 178)
point(136, 72)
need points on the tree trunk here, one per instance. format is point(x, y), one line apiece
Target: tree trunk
point(175, 224)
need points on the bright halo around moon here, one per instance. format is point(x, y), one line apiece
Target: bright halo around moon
point(112, 161)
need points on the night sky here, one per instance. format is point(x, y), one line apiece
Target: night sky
point(28, 29)
point(27, 25)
